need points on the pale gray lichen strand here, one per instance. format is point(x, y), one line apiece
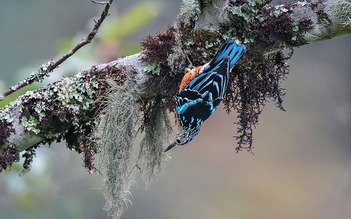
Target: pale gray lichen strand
point(117, 124)
point(157, 135)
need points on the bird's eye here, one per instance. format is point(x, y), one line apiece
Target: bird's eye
point(178, 141)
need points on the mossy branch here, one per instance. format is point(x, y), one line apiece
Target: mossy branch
point(63, 110)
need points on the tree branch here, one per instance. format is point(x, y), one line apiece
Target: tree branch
point(56, 111)
point(292, 24)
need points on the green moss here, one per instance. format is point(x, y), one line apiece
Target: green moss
point(189, 42)
point(8, 116)
point(189, 12)
point(152, 68)
point(31, 124)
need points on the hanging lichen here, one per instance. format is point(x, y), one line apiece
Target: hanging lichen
point(116, 132)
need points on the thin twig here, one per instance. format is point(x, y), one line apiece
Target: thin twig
point(48, 67)
point(101, 3)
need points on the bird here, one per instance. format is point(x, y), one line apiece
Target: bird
point(201, 91)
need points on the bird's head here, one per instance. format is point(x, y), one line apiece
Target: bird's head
point(183, 137)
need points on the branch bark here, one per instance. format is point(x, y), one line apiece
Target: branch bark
point(57, 111)
point(67, 107)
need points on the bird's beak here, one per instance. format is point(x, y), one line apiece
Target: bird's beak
point(170, 146)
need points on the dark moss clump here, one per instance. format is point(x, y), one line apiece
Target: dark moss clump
point(237, 3)
point(157, 48)
point(117, 74)
point(274, 29)
point(256, 80)
point(9, 155)
point(28, 158)
point(266, 26)
point(89, 149)
point(201, 45)
point(80, 139)
point(162, 83)
point(5, 131)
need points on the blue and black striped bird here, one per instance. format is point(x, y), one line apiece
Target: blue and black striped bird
point(202, 89)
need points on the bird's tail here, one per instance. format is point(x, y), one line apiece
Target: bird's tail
point(230, 48)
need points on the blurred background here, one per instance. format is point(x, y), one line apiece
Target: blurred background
point(301, 167)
